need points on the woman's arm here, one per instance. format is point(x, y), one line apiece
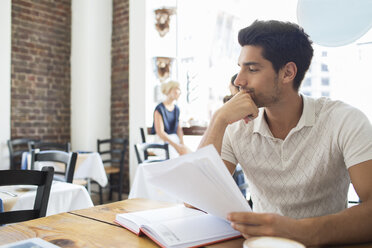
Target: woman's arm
point(180, 134)
point(159, 129)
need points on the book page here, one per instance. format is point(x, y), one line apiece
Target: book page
point(135, 220)
point(200, 179)
point(196, 230)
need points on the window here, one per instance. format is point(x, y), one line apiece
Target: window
point(306, 93)
point(325, 81)
point(325, 93)
point(208, 50)
point(307, 82)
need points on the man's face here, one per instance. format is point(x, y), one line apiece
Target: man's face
point(258, 77)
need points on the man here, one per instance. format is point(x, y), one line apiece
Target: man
point(298, 153)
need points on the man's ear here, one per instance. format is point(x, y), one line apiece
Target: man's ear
point(289, 72)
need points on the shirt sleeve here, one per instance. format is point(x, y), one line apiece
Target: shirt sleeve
point(355, 137)
point(227, 152)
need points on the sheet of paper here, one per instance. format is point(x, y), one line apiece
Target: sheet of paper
point(30, 243)
point(200, 179)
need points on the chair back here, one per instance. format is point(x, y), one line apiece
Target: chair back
point(112, 151)
point(42, 179)
point(143, 137)
point(47, 146)
point(68, 159)
point(16, 148)
point(142, 148)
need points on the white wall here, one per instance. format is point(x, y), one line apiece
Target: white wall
point(90, 72)
point(5, 53)
point(137, 76)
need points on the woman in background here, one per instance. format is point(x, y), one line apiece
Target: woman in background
point(166, 120)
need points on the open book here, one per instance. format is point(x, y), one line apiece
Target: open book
point(178, 226)
point(200, 179)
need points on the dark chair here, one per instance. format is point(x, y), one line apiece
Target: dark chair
point(68, 159)
point(142, 148)
point(43, 179)
point(16, 148)
point(113, 152)
point(46, 146)
point(143, 137)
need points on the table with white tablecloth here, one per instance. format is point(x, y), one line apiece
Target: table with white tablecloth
point(88, 166)
point(63, 197)
point(141, 188)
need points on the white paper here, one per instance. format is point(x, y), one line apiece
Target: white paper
point(200, 179)
point(30, 243)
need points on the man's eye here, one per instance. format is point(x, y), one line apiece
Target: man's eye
point(252, 69)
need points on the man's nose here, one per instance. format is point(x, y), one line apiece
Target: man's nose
point(240, 81)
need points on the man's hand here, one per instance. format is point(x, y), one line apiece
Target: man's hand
point(257, 224)
point(241, 106)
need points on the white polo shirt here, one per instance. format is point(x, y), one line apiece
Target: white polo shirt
point(306, 174)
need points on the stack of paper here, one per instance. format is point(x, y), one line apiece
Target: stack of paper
point(200, 179)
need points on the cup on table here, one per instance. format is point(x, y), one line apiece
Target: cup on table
point(271, 242)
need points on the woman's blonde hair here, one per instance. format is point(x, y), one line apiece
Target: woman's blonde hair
point(167, 87)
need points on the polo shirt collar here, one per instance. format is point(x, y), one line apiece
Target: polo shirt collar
point(308, 113)
point(307, 118)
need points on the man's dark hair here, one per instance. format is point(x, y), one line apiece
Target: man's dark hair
point(281, 42)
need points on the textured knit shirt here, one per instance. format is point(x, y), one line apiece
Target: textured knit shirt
point(306, 174)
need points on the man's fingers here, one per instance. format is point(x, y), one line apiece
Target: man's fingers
point(251, 218)
point(254, 230)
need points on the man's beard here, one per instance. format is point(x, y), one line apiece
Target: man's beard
point(265, 100)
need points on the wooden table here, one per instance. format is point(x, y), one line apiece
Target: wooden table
point(94, 227)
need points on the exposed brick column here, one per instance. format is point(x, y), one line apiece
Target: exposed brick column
point(120, 77)
point(40, 90)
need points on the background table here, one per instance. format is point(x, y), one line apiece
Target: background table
point(95, 227)
point(141, 188)
point(88, 166)
point(63, 197)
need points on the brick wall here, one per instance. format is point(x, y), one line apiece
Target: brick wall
point(40, 87)
point(119, 76)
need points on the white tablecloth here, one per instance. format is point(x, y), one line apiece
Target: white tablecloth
point(63, 197)
point(88, 166)
point(141, 188)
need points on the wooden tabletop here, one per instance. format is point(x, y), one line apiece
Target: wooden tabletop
point(68, 230)
point(95, 227)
